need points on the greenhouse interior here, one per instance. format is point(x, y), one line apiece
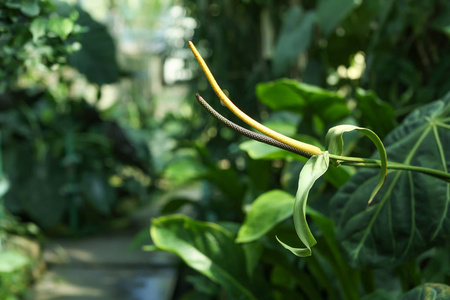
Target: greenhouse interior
point(224, 149)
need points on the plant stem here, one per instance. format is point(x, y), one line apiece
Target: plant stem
point(374, 163)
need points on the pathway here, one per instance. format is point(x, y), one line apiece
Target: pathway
point(103, 267)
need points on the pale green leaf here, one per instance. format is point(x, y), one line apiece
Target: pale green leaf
point(62, 27)
point(313, 169)
point(10, 261)
point(37, 28)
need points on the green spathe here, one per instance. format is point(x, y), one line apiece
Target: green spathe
point(335, 145)
point(316, 166)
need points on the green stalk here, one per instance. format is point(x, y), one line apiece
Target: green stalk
point(374, 163)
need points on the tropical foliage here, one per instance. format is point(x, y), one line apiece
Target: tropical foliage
point(364, 66)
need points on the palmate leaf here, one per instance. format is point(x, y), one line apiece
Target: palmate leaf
point(411, 212)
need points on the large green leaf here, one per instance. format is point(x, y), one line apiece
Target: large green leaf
point(295, 37)
point(313, 169)
point(206, 247)
point(266, 211)
point(302, 98)
point(411, 212)
point(428, 291)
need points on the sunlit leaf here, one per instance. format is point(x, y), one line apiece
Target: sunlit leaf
point(411, 213)
point(11, 260)
point(266, 212)
point(62, 27)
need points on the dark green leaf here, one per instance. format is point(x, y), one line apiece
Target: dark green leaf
point(207, 248)
point(380, 295)
point(338, 176)
point(428, 291)
point(98, 192)
point(375, 114)
point(411, 212)
point(36, 187)
point(97, 57)
point(294, 39)
point(330, 13)
point(442, 20)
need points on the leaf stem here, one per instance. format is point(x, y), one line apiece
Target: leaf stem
point(375, 163)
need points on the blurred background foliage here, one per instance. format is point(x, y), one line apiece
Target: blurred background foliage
point(98, 116)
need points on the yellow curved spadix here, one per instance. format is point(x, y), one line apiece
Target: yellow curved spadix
point(241, 115)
